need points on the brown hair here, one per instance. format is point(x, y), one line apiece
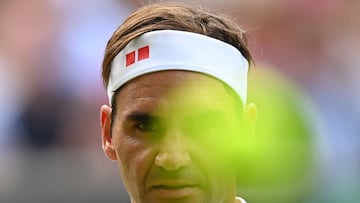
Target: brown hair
point(170, 16)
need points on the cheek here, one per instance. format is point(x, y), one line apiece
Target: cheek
point(215, 160)
point(134, 158)
point(220, 178)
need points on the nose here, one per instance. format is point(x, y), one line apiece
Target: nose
point(172, 161)
point(173, 154)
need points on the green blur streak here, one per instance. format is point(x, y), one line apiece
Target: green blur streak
point(276, 162)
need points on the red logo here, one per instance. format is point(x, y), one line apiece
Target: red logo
point(142, 53)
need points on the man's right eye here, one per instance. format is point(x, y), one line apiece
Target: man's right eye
point(148, 126)
point(145, 123)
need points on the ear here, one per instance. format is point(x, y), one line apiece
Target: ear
point(105, 123)
point(250, 118)
point(251, 113)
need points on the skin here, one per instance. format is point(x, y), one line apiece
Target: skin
point(162, 141)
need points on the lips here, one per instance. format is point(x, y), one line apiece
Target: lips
point(175, 189)
point(182, 183)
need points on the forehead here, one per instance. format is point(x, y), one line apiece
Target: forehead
point(175, 85)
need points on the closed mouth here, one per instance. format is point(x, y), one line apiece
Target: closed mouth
point(172, 187)
point(174, 190)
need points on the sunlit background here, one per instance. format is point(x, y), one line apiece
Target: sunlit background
point(306, 53)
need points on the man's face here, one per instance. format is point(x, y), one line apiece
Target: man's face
point(171, 136)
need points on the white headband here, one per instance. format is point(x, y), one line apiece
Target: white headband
point(179, 50)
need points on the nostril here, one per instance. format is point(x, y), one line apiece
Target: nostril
point(186, 159)
point(172, 161)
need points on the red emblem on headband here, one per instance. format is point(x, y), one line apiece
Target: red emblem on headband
point(130, 58)
point(142, 53)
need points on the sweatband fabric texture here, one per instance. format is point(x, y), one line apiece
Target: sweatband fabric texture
point(179, 50)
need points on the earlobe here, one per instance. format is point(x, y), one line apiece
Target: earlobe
point(105, 123)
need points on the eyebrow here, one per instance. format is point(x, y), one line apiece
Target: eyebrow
point(208, 114)
point(140, 116)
